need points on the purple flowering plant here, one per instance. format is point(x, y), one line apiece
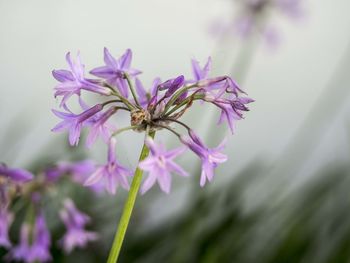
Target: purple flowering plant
point(159, 108)
point(20, 190)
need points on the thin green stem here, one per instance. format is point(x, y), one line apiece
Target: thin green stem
point(196, 97)
point(125, 101)
point(111, 101)
point(179, 122)
point(169, 129)
point(128, 207)
point(122, 98)
point(131, 87)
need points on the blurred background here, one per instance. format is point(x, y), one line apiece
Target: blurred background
point(283, 196)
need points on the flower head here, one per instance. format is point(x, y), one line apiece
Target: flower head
point(112, 174)
point(159, 108)
point(159, 165)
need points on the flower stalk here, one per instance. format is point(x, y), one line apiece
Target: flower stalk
point(128, 207)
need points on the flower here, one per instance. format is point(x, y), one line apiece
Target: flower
point(251, 19)
point(40, 248)
point(112, 174)
point(74, 122)
point(16, 175)
point(231, 110)
point(75, 221)
point(78, 172)
point(36, 251)
point(210, 157)
point(115, 69)
point(159, 165)
point(6, 219)
point(72, 82)
point(291, 8)
point(198, 72)
point(21, 251)
point(99, 124)
point(102, 127)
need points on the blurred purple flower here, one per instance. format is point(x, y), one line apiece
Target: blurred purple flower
point(78, 171)
point(14, 174)
point(291, 8)
point(111, 174)
point(115, 69)
point(74, 122)
point(210, 157)
point(72, 82)
point(252, 20)
point(6, 219)
point(39, 249)
point(75, 221)
point(21, 251)
point(159, 165)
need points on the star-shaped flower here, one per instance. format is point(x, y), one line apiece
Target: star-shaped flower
point(73, 81)
point(112, 174)
point(114, 70)
point(210, 157)
point(160, 164)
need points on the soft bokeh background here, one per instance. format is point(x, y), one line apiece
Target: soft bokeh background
point(297, 129)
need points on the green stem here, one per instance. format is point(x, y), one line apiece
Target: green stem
point(131, 87)
point(196, 97)
point(122, 98)
point(128, 207)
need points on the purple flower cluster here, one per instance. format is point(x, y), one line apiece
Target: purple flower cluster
point(35, 239)
point(11, 179)
point(253, 14)
point(158, 108)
